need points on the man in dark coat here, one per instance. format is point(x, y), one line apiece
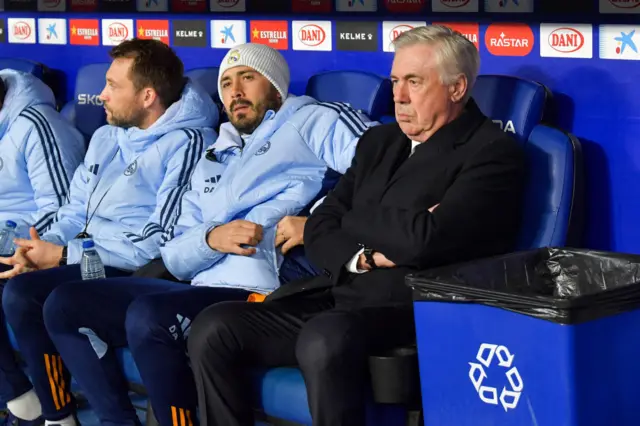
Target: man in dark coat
point(442, 185)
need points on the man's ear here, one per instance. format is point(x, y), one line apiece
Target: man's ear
point(458, 89)
point(149, 96)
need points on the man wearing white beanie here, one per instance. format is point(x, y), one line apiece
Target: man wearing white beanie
point(269, 162)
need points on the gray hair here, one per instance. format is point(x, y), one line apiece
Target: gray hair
point(456, 54)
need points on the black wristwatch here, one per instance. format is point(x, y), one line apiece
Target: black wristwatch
point(368, 255)
point(63, 259)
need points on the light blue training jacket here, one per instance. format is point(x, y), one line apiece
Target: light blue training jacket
point(273, 173)
point(129, 186)
point(39, 151)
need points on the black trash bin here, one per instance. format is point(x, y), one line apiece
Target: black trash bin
point(545, 337)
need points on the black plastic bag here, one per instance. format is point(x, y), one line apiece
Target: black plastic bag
point(566, 286)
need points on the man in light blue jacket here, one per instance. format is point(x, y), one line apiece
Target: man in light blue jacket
point(39, 152)
point(269, 162)
point(124, 197)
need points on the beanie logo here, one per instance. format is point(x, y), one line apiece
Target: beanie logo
point(264, 148)
point(234, 56)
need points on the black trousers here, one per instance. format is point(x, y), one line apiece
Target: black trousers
point(329, 344)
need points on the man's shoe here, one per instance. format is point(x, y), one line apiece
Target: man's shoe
point(12, 420)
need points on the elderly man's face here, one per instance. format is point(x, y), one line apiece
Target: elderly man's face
point(247, 96)
point(422, 103)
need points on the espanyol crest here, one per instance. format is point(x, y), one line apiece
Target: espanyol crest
point(264, 148)
point(131, 168)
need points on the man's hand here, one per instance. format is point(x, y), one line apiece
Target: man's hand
point(19, 262)
point(230, 238)
point(380, 260)
point(41, 254)
point(290, 231)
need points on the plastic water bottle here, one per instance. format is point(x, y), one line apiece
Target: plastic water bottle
point(91, 264)
point(7, 235)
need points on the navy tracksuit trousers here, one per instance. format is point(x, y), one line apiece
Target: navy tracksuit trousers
point(23, 298)
point(89, 320)
point(13, 381)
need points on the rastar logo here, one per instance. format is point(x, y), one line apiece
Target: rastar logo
point(509, 39)
point(85, 99)
point(625, 4)
point(118, 32)
point(312, 35)
point(455, 3)
point(21, 30)
point(566, 40)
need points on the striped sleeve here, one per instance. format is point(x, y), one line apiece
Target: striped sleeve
point(47, 173)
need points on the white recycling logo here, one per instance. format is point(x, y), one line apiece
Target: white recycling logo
point(508, 397)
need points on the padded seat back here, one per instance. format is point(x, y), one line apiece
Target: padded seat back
point(207, 77)
point(515, 103)
point(24, 65)
point(366, 92)
point(554, 195)
point(86, 110)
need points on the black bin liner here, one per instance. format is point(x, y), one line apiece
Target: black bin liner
point(562, 285)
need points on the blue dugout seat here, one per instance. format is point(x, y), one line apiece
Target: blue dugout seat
point(365, 92)
point(552, 200)
point(85, 110)
point(24, 65)
point(516, 104)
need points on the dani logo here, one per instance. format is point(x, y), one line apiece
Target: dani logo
point(21, 30)
point(312, 35)
point(118, 32)
point(625, 4)
point(455, 3)
point(566, 40)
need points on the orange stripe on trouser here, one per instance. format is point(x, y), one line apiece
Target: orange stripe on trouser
point(181, 417)
point(53, 364)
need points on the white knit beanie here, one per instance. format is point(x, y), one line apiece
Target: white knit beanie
point(264, 59)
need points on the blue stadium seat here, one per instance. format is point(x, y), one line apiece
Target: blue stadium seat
point(554, 196)
point(85, 111)
point(207, 78)
point(366, 92)
point(24, 65)
point(515, 103)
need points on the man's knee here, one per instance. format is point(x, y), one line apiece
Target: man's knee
point(60, 302)
point(18, 297)
point(213, 331)
point(328, 341)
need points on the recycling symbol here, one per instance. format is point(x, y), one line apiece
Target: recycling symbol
point(508, 397)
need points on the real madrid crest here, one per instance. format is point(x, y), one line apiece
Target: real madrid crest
point(234, 56)
point(131, 168)
point(264, 148)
